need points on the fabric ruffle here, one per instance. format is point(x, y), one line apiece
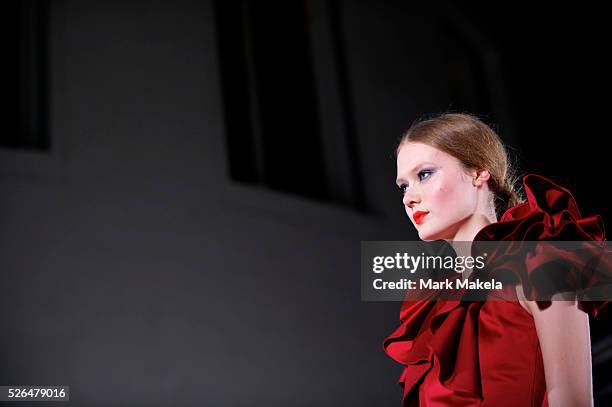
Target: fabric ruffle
point(446, 332)
point(526, 233)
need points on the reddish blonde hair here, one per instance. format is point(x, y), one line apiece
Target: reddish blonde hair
point(476, 146)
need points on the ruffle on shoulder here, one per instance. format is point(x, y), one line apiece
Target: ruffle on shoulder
point(543, 267)
point(550, 212)
point(446, 332)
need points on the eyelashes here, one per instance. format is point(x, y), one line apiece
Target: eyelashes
point(423, 175)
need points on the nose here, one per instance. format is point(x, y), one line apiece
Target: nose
point(410, 198)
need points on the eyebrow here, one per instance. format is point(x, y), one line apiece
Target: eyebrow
point(400, 180)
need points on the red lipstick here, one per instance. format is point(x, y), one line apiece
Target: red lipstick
point(418, 216)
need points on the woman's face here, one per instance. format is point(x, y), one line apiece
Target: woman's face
point(437, 189)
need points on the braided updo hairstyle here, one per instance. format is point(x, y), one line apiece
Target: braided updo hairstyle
point(475, 145)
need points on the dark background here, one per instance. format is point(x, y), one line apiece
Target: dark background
point(185, 185)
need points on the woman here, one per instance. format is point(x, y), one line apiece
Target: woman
point(455, 179)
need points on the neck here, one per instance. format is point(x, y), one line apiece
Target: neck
point(470, 228)
point(461, 242)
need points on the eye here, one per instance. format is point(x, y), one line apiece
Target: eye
point(424, 174)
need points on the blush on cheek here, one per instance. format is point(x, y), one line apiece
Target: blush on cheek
point(443, 198)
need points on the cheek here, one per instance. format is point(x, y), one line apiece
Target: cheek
point(443, 196)
point(450, 200)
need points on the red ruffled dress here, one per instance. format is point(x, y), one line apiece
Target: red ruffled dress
point(487, 353)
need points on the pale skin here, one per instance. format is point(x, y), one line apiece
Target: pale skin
point(459, 203)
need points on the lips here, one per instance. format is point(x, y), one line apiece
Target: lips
point(418, 216)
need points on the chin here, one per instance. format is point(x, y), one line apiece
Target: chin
point(426, 237)
point(429, 236)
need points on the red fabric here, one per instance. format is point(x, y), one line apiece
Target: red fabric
point(487, 353)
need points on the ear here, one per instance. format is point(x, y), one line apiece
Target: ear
point(480, 176)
